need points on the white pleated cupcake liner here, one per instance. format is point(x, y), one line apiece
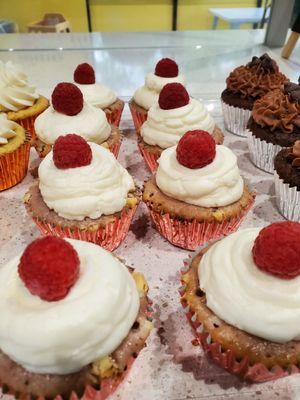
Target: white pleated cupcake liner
point(235, 119)
point(262, 153)
point(287, 199)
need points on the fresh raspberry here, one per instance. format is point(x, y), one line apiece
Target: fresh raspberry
point(166, 68)
point(71, 151)
point(277, 249)
point(67, 99)
point(84, 74)
point(196, 149)
point(173, 95)
point(49, 267)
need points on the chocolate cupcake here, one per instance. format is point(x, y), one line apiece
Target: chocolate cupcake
point(245, 85)
point(287, 181)
point(274, 124)
point(73, 319)
point(241, 297)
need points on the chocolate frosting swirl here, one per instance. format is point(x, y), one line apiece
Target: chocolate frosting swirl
point(256, 78)
point(275, 110)
point(293, 90)
point(295, 154)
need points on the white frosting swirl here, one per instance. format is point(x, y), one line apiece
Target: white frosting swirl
point(148, 94)
point(246, 297)
point(90, 123)
point(15, 91)
point(7, 129)
point(164, 128)
point(217, 184)
point(100, 188)
point(63, 336)
point(97, 94)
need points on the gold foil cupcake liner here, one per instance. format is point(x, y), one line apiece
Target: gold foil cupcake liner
point(14, 165)
point(227, 359)
point(287, 199)
point(262, 153)
point(235, 119)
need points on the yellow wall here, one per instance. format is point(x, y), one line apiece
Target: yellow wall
point(121, 15)
point(27, 11)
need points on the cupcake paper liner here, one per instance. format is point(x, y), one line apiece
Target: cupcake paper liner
point(255, 373)
point(287, 199)
point(115, 149)
point(150, 158)
point(14, 165)
point(109, 237)
point(114, 116)
point(138, 118)
point(235, 119)
point(190, 235)
point(262, 153)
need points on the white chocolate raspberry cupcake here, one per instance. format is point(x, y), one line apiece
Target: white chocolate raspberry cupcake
point(97, 94)
point(73, 319)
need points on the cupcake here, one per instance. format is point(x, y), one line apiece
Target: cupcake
point(14, 152)
point(83, 193)
point(169, 119)
point(275, 124)
point(73, 319)
point(70, 113)
point(97, 94)
point(241, 297)
point(245, 85)
point(197, 193)
point(166, 71)
point(287, 181)
point(18, 99)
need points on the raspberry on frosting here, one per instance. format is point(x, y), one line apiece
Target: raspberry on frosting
point(84, 74)
point(173, 95)
point(277, 249)
point(196, 149)
point(49, 267)
point(67, 99)
point(166, 68)
point(71, 151)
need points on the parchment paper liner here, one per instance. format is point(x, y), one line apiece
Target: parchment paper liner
point(287, 199)
point(235, 119)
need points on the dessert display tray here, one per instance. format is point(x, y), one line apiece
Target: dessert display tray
point(172, 366)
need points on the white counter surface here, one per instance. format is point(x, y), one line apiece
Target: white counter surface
point(170, 367)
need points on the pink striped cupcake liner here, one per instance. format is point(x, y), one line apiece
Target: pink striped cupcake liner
point(109, 236)
point(137, 117)
point(114, 116)
point(190, 235)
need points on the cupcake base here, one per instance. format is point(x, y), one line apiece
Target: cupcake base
point(152, 153)
point(106, 231)
point(114, 112)
point(188, 226)
point(113, 144)
point(14, 165)
point(241, 354)
point(139, 114)
point(262, 153)
point(287, 199)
